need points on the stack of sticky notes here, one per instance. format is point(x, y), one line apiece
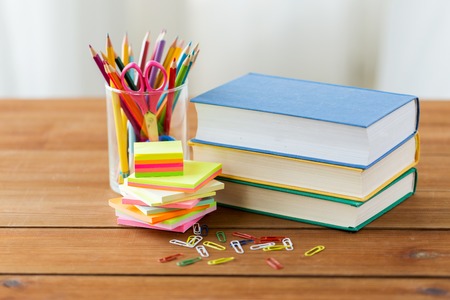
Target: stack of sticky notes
point(158, 159)
point(171, 202)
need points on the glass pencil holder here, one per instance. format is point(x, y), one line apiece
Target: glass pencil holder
point(134, 116)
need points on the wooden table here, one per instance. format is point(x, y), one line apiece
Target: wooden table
point(59, 238)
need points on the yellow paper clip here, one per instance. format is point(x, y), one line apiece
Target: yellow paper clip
point(314, 250)
point(274, 248)
point(213, 245)
point(220, 260)
point(193, 240)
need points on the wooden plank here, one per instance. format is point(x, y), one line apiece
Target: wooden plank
point(386, 253)
point(188, 287)
point(434, 127)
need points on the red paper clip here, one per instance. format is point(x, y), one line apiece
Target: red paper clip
point(274, 263)
point(265, 239)
point(169, 258)
point(244, 235)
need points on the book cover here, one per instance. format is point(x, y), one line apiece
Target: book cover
point(311, 176)
point(340, 213)
point(302, 119)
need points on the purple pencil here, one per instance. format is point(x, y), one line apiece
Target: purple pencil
point(157, 55)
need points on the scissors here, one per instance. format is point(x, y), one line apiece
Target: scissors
point(147, 106)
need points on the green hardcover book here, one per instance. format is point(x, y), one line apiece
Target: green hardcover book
point(334, 212)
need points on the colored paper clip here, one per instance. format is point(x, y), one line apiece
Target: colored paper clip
point(213, 245)
point(220, 260)
point(261, 246)
point(237, 246)
point(204, 230)
point(189, 261)
point(196, 229)
point(265, 239)
point(180, 243)
point(288, 244)
point(274, 248)
point(202, 251)
point(314, 250)
point(221, 236)
point(169, 258)
point(245, 235)
point(193, 240)
point(245, 242)
point(274, 263)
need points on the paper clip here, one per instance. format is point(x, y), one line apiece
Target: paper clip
point(180, 243)
point(204, 230)
point(202, 251)
point(288, 244)
point(271, 239)
point(213, 245)
point(196, 229)
point(261, 246)
point(274, 263)
point(193, 240)
point(189, 261)
point(314, 250)
point(169, 258)
point(245, 242)
point(220, 260)
point(221, 236)
point(237, 246)
point(274, 248)
point(244, 235)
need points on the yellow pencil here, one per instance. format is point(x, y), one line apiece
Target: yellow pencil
point(110, 52)
point(125, 50)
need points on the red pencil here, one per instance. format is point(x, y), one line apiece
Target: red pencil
point(99, 63)
point(170, 96)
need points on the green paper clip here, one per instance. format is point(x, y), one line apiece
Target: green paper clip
point(189, 261)
point(221, 236)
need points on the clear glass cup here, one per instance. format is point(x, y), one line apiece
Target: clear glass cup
point(126, 124)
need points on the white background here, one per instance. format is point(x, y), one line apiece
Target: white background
point(394, 45)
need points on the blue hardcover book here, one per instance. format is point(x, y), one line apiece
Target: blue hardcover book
point(316, 121)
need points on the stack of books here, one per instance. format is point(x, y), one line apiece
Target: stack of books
point(171, 202)
point(319, 153)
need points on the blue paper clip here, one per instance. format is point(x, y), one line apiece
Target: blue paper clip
point(204, 230)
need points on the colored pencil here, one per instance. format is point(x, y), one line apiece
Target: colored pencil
point(110, 51)
point(169, 106)
point(144, 51)
point(99, 62)
point(125, 50)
